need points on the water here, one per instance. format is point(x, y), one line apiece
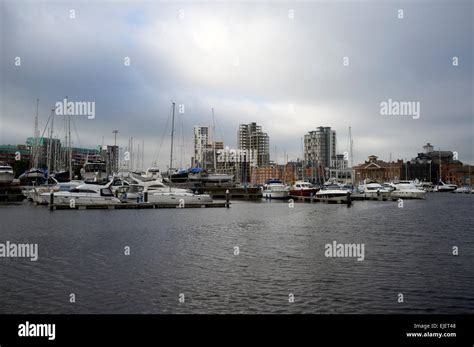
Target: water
point(191, 251)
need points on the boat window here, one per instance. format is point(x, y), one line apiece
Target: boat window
point(106, 192)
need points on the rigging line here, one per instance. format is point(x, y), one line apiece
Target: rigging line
point(42, 136)
point(157, 154)
point(75, 131)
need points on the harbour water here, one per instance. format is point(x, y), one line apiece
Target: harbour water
point(281, 251)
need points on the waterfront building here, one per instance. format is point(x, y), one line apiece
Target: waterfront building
point(426, 166)
point(320, 148)
point(378, 170)
point(253, 141)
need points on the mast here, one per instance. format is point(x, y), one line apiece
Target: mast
point(51, 143)
point(36, 139)
point(214, 140)
point(70, 144)
point(172, 139)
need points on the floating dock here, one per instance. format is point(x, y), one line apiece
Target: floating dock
point(11, 194)
point(141, 205)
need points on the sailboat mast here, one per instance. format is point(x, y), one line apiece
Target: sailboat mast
point(70, 144)
point(172, 140)
point(214, 140)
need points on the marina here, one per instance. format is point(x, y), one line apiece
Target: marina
point(191, 251)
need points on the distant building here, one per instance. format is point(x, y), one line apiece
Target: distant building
point(110, 154)
point(320, 148)
point(426, 166)
point(42, 150)
point(253, 141)
point(378, 170)
point(340, 169)
point(202, 144)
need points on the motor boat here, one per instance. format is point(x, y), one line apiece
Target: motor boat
point(374, 190)
point(407, 191)
point(94, 171)
point(85, 194)
point(302, 188)
point(159, 193)
point(333, 193)
point(463, 190)
point(445, 187)
point(6, 173)
point(275, 189)
point(41, 194)
point(32, 177)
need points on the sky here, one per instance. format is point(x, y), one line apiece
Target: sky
point(289, 66)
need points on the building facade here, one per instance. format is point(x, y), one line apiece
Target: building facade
point(320, 147)
point(380, 171)
point(253, 141)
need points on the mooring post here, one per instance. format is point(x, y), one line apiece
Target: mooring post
point(146, 195)
point(51, 200)
point(349, 201)
point(227, 198)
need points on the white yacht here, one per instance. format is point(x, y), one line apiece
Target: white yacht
point(463, 190)
point(407, 191)
point(333, 193)
point(374, 190)
point(6, 173)
point(41, 194)
point(159, 193)
point(275, 189)
point(85, 194)
point(445, 187)
point(94, 171)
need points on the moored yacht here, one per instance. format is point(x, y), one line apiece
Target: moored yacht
point(333, 193)
point(407, 191)
point(445, 187)
point(275, 189)
point(158, 192)
point(302, 188)
point(374, 190)
point(85, 194)
point(6, 173)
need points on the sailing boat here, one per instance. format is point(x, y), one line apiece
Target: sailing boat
point(158, 192)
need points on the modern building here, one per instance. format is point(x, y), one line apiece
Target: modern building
point(251, 140)
point(320, 148)
point(202, 145)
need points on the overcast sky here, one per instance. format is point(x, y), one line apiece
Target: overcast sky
point(280, 65)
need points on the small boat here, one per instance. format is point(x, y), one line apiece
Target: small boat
point(159, 193)
point(462, 190)
point(374, 190)
point(85, 194)
point(6, 173)
point(333, 193)
point(445, 187)
point(302, 188)
point(407, 191)
point(41, 195)
point(275, 189)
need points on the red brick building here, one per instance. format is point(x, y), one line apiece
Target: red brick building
point(379, 170)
